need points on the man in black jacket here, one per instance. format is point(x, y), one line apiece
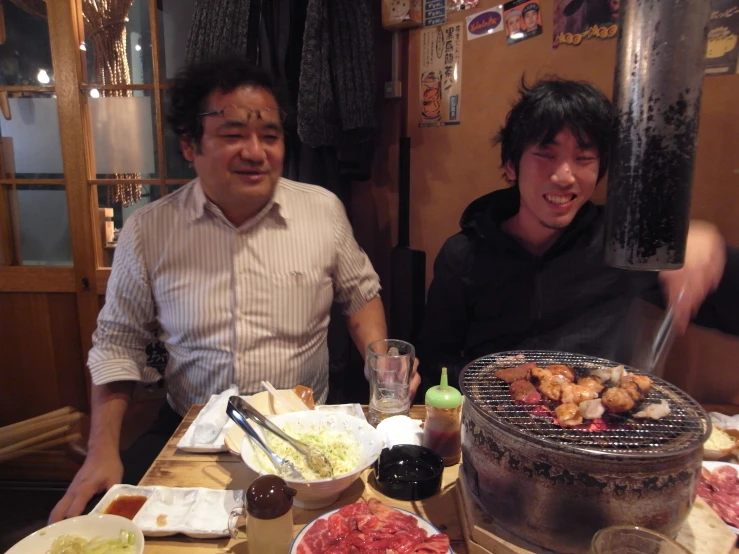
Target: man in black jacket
point(527, 272)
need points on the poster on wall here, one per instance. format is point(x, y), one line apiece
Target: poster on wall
point(484, 23)
point(578, 20)
point(522, 20)
point(722, 51)
point(441, 75)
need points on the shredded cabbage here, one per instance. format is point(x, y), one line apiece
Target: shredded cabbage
point(341, 449)
point(70, 544)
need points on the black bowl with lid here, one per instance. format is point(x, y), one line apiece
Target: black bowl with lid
point(408, 472)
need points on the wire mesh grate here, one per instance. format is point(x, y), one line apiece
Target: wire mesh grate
point(685, 427)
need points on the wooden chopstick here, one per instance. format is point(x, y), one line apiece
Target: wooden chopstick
point(290, 401)
point(19, 432)
point(40, 447)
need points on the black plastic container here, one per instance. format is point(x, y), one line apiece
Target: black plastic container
point(408, 472)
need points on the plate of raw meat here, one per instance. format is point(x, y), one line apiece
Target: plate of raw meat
point(370, 528)
point(719, 487)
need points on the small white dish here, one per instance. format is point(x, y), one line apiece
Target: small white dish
point(88, 527)
point(422, 523)
point(196, 512)
point(710, 466)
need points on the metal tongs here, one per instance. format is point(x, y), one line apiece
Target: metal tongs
point(239, 410)
point(662, 341)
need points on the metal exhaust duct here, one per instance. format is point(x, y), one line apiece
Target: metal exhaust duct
point(657, 92)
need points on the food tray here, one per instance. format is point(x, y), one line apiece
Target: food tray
point(196, 512)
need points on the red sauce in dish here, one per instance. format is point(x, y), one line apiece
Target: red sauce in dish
point(126, 506)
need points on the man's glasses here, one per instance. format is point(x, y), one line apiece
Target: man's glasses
point(242, 114)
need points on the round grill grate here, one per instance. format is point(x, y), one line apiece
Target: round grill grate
point(683, 429)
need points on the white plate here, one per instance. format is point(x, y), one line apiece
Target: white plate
point(88, 527)
point(710, 466)
point(422, 523)
point(196, 512)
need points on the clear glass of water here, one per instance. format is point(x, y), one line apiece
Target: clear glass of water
point(627, 539)
point(388, 366)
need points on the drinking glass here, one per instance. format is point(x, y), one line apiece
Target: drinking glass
point(628, 539)
point(388, 367)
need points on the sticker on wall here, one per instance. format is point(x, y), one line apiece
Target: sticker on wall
point(434, 12)
point(441, 75)
point(722, 51)
point(522, 20)
point(484, 23)
point(578, 20)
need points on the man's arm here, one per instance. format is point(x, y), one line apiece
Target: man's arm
point(367, 325)
point(118, 353)
point(102, 467)
point(705, 259)
point(446, 322)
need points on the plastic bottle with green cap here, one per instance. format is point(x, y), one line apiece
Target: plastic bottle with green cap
point(442, 429)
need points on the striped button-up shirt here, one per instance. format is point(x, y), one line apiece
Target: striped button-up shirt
point(233, 305)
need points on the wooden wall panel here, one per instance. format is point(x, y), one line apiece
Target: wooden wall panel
point(41, 360)
point(451, 166)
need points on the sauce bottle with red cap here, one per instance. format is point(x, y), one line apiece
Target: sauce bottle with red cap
point(269, 522)
point(442, 429)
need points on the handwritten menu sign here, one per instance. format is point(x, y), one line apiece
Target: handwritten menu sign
point(441, 75)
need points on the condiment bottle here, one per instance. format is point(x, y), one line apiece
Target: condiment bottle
point(441, 431)
point(269, 525)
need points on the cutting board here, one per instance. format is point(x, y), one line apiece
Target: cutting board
point(702, 533)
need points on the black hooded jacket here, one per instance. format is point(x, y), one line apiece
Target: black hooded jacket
point(490, 295)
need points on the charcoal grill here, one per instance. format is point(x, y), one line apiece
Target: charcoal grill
point(682, 430)
point(556, 486)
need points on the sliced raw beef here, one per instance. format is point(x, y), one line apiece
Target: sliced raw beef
point(316, 540)
point(370, 528)
point(339, 526)
point(435, 544)
point(720, 489)
point(388, 515)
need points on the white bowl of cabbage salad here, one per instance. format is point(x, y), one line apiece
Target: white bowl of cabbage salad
point(94, 533)
point(350, 443)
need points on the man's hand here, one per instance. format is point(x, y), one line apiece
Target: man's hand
point(688, 287)
point(97, 475)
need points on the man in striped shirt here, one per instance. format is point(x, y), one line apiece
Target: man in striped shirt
point(239, 269)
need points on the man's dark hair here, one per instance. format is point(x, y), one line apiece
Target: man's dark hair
point(194, 83)
point(549, 106)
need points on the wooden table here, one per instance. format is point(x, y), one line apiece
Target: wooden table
point(174, 468)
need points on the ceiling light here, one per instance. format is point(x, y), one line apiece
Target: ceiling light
point(137, 48)
point(95, 93)
point(43, 77)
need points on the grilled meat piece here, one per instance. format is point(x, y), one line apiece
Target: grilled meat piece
point(631, 388)
point(568, 414)
point(592, 409)
point(551, 387)
point(617, 400)
point(563, 370)
point(643, 382)
point(574, 394)
point(654, 411)
point(511, 374)
point(524, 392)
point(540, 373)
point(591, 382)
point(610, 374)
